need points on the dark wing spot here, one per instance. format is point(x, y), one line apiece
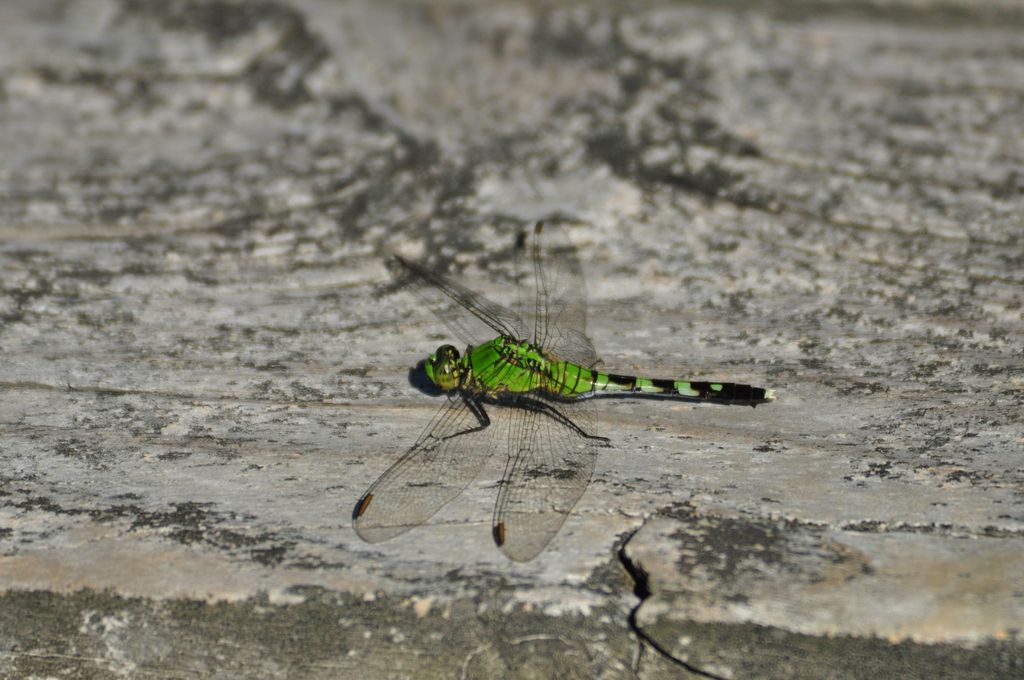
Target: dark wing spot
point(499, 534)
point(364, 503)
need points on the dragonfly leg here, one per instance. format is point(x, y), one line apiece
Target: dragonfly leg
point(552, 411)
point(477, 410)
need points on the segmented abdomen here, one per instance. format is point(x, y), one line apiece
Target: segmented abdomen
point(576, 381)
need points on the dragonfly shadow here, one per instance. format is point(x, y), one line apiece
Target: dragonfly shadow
point(418, 379)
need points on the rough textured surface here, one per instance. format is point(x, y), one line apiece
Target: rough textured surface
point(203, 367)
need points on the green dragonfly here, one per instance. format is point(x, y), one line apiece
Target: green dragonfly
point(540, 372)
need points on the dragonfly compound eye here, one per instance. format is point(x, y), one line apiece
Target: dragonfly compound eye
point(442, 367)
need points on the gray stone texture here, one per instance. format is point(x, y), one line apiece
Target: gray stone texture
point(203, 365)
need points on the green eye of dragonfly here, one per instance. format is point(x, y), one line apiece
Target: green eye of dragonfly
point(441, 367)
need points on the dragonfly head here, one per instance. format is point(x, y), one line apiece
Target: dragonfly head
point(443, 367)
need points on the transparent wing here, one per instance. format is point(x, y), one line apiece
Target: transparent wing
point(501, 320)
point(442, 462)
point(554, 303)
point(551, 457)
point(552, 445)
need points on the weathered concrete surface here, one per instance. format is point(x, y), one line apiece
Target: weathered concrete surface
point(202, 367)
